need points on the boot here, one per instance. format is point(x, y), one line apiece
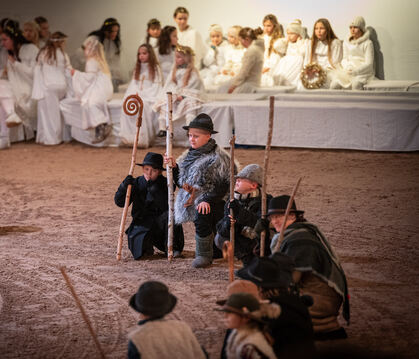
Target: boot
point(203, 251)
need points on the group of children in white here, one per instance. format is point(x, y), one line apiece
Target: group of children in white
point(38, 85)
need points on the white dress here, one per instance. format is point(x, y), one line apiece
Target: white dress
point(20, 75)
point(3, 60)
point(233, 55)
point(192, 97)
point(357, 65)
point(92, 90)
point(6, 108)
point(154, 42)
point(192, 38)
point(166, 63)
point(49, 88)
point(114, 62)
point(213, 62)
point(289, 68)
point(271, 60)
point(148, 90)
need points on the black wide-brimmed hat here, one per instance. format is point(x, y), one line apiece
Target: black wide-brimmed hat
point(203, 122)
point(268, 272)
point(153, 299)
point(154, 160)
point(278, 205)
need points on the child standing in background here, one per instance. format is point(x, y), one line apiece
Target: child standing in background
point(166, 50)
point(153, 33)
point(50, 86)
point(147, 83)
point(186, 86)
point(31, 32)
point(44, 32)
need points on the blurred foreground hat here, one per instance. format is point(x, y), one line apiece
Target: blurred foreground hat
point(240, 286)
point(252, 172)
point(203, 122)
point(279, 205)
point(243, 304)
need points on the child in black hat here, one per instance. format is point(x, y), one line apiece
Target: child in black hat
point(156, 336)
point(202, 174)
point(318, 271)
point(149, 198)
point(246, 207)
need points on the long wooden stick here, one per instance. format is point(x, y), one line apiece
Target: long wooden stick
point(265, 171)
point(282, 230)
point(229, 254)
point(132, 105)
point(232, 231)
point(83, 313)
point(169, 145)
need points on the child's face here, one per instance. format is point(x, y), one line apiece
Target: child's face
point(180, 59)
point(28, 33)
point(292, 36)
point(268, 27)
point(198, 138)
point(7, 42)
point(150, 173)
point(154, 31)
point(143, 55)
point(356, 32)
point(244, 186)
point(245, 41)
point(320, 31)
point(173, 38)
point(232, 38)
point(44, 30)
point(277, 219)
point(216, 38)
point(181, 21)
point(234, 321)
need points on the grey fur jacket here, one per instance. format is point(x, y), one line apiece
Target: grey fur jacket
point(208, 174)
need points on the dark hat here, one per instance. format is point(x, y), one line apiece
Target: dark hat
point(153, 299)
point(268, 272)
point(203, 122)
point(154, 160)
point(279, 205)
point(240, 286)
point(244, 304)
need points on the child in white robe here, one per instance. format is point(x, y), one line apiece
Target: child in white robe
point(275, 48)
point(186, 86)
point(214, 59)
point(233, 55)
point(287, 72)
point(92, 90)
point(166, 50)
point(325, 49)
point(31, 32)
point(19, 110)
point(147, 83)
point(357, 65)
point(188, 36)
point(153, 34)
point(50, 86)
point(44, 32)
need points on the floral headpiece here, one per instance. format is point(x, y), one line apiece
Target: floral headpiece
point(186, 50)
point(12, 31)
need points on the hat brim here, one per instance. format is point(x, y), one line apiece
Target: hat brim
point(228, 309)
point(243, 273)
point(158, 312)
point(282, 211)
point(152, 165)
point(200, 128)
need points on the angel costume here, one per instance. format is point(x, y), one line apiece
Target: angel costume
point(213, 62)
point(233, 55)
point(166, 62)
point(271, 60)
point(192, 38)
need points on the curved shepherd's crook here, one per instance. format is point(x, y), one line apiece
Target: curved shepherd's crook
point(132, 105)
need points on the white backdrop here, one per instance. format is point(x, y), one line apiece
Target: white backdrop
point(395, 22)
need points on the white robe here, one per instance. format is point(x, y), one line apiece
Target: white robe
point(166, 63)
point(357, 65)
point(49, 88)
point(213, 62)
point(289, 67)
point(193, 97)
point(20, 75)
point(233, 55)
point(6, 109)
point(270, 61)
point(3, 60)
point(192, 38)
point(92, 90)
point(148, 90)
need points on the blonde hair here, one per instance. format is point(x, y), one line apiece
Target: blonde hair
point(95, 50)
point(236, 29)
point(35, 28)
point(49, 51)
point(189, 55)
point(277, 33)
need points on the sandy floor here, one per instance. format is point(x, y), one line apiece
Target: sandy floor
point(366, 203)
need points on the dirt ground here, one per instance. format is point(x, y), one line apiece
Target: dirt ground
point(60, 200)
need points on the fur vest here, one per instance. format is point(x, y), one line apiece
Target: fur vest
point(209, 174)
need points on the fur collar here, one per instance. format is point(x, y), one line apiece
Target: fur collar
point(363, 38)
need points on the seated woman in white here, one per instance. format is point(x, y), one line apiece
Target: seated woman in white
point(357, 65)
point(275, 48)
point(287, 72)
point(186, 86)
point(49, 87)
point(147, 83)
point(92, 89)
point(166, 50)
point(188, 36)
point(18, 109)
point(248, 79)
point(233, 55)
point(214, 59)
point(324, 49)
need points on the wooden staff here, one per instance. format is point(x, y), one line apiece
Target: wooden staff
point(282, 230)
point(232, 181)
point(229, 254)
point(265, 171)
point(169, 144)
point(83, 313)
point(132, 105)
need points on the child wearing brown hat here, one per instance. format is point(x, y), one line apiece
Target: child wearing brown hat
point(246, 208)
point(202, 174)
point(156, 336)
point(149, 198)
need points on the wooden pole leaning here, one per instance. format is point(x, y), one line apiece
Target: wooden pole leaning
point(169, 170)
point(281, 233)
point(265, 171)
point(83, 313)
point(132, 105)
point(232, 232)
